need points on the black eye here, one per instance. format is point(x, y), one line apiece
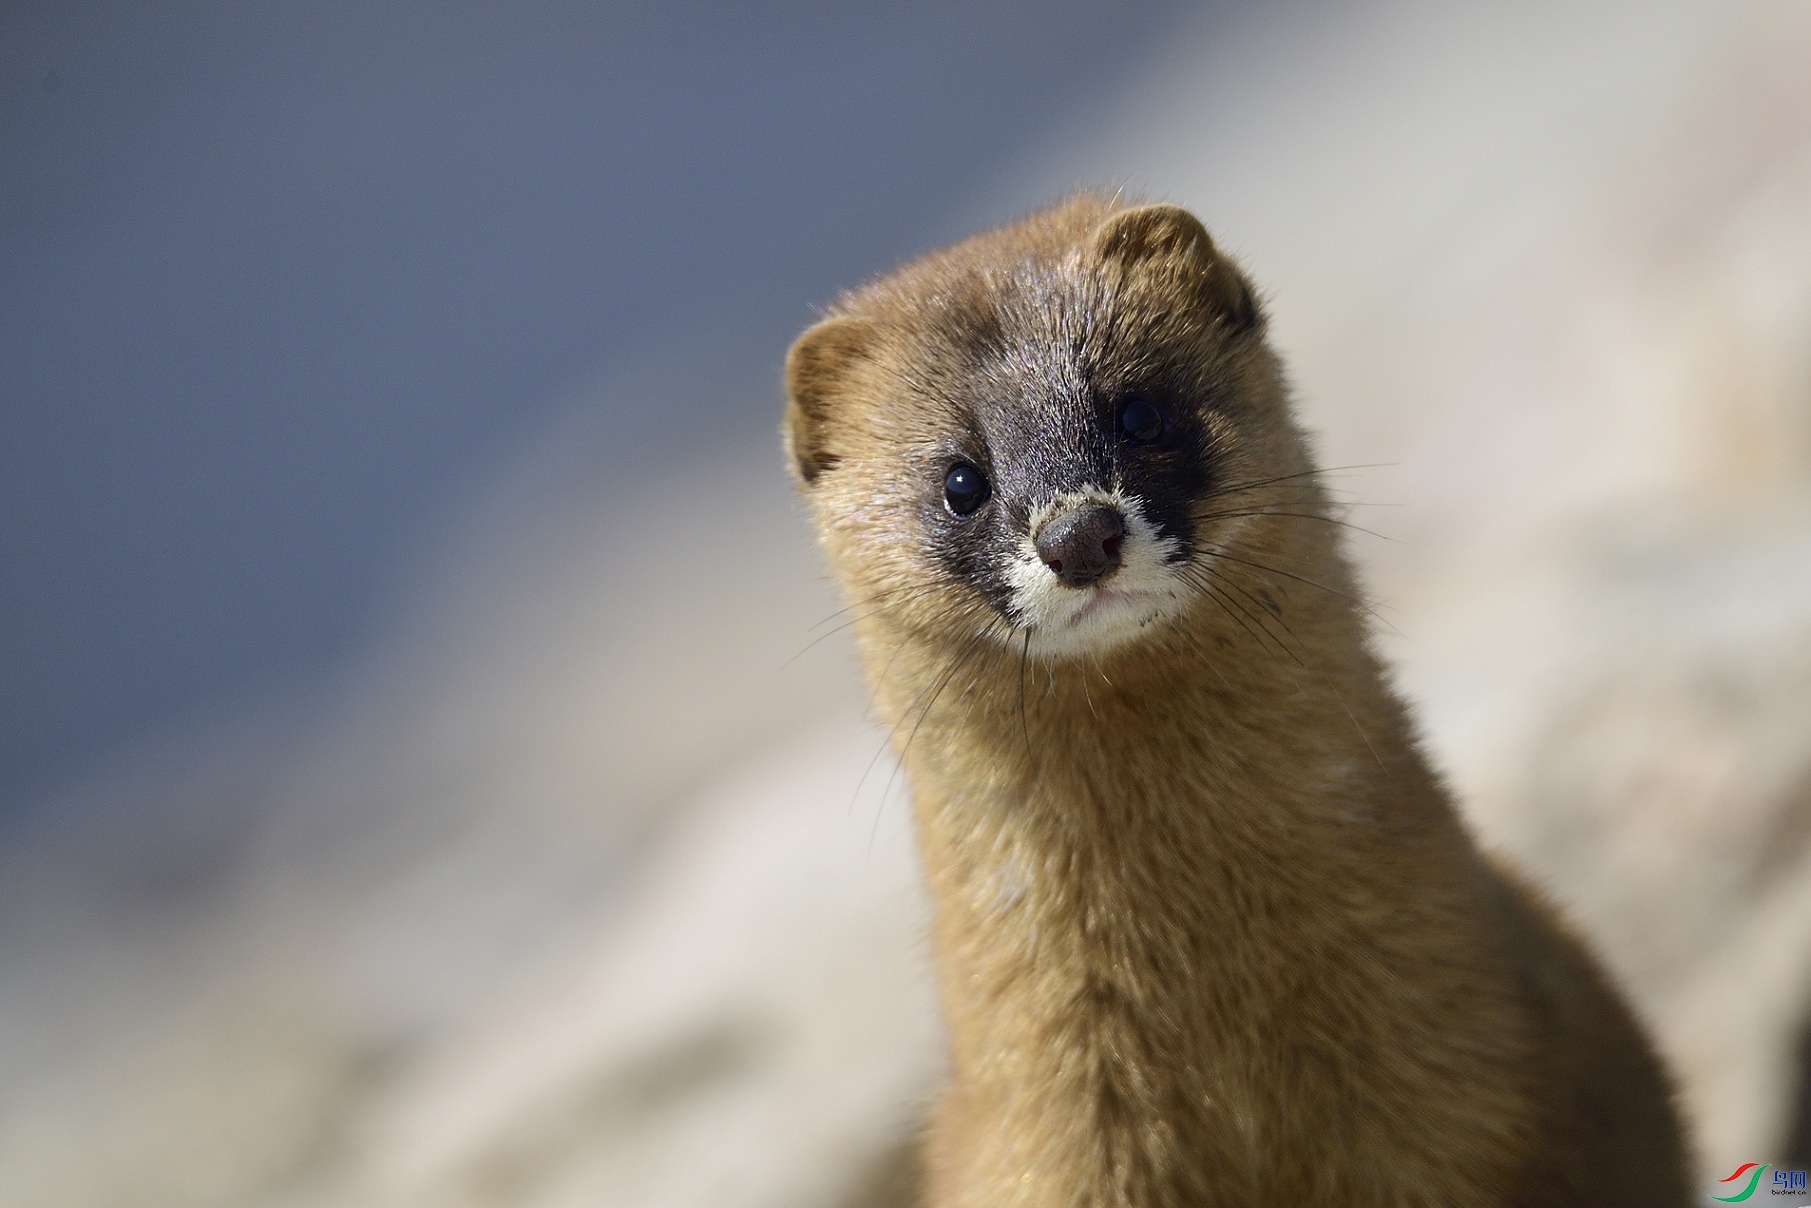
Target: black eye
point(1139, 421)
point(965, 489)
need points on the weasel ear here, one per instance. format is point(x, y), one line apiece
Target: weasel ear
point(817, 373)
point(1167, 236)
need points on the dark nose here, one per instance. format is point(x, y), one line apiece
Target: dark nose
point(1082, 545)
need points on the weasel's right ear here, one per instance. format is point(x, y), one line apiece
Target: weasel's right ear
point(817, 373)
point(1171, 237)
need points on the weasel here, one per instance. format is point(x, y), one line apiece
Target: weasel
point(1208, 929)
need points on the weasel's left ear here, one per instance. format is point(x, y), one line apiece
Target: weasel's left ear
point(818, 372)
point(1167, 236)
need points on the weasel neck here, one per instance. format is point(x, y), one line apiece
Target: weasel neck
point(1146, 879)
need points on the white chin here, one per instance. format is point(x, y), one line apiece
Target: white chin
point(1065, 621)
point(1104, 618)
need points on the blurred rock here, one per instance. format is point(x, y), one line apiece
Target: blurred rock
point(751, 1023)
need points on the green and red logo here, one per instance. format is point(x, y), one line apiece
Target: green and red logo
point(1754, 1180)
point(1785, 1182)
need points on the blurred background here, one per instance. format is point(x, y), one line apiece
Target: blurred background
point(421, 778)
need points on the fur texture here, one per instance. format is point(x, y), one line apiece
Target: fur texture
point(1208, 929)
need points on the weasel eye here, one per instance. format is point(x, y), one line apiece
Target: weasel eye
point(965, 489)
point(1139, 421)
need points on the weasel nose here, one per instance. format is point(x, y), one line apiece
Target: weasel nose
point(1082, 544)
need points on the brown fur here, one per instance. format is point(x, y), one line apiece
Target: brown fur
point(1208, 929)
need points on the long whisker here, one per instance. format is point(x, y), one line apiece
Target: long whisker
point(893, 657)
point(1031, 761)
point(939, 685)
point(1298, 492)
point(968, 710)
point(852, 621)
point(1272, 611)
point(956, 662)
point(1357, 528)
point(1353, 718)
point(1219, 552)
point(906, 713)
point(1264, 482)
point(1212, 589)
point(910, 589)
point(1231, 607)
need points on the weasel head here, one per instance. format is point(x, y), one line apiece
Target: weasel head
point(1051, 434)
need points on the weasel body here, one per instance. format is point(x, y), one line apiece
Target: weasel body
point(1208, 929)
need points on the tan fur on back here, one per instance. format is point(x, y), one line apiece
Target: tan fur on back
point(1208, 930)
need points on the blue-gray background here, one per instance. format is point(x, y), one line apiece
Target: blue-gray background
point(278, 284)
